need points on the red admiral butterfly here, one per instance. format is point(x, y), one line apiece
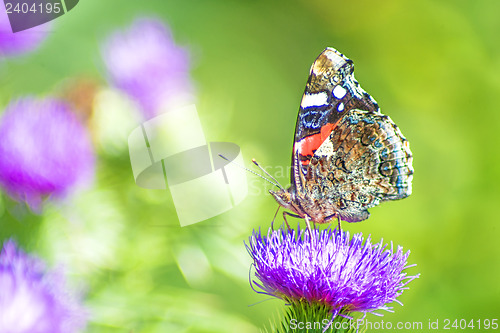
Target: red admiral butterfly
point(347, 156)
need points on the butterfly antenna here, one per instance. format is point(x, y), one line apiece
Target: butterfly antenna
point(255, 173)
point(267, 173)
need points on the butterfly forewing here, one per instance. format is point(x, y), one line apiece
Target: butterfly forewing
point(331, 92)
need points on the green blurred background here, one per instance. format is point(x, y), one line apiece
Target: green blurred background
point(434, 68)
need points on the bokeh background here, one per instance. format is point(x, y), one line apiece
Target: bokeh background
point(434, 68)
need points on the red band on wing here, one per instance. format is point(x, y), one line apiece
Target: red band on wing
point(308, 145)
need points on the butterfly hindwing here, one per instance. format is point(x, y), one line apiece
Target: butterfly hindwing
point(366, 160)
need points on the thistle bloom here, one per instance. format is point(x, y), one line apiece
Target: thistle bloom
point(146, 64)
point(45, 150)
point(342, 274)
point(32, 299)
point(19, 42)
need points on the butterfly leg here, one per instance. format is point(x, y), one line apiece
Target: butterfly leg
point(306, 218)
point(337, 215)
point(285, 213)
point(274, 218)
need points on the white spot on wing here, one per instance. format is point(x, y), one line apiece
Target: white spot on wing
point(340, 108)
point(297, 146)
point(318, 99)
point(326, 148)
point(338, 60)
point(339, 92)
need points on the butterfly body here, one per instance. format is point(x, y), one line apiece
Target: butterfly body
point(347, 156)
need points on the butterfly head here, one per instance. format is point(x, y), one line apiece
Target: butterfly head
point(283, 197)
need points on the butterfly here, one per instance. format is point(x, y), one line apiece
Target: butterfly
point(347, 156)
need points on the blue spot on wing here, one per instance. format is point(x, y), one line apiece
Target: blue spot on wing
point(353, 120)
point(313, 118)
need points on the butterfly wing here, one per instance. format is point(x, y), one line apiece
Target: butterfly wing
point(347, 156)
point(366, 160)
point(331, 92)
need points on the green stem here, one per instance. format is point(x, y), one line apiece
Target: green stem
point(303, 317)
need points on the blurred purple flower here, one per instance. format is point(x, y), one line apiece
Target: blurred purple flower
point(45, 150)
point(34, 300)
point(344, 275)
point(145, 63)
point(19, 42)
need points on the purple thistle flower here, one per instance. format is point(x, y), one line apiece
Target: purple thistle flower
point(19, 42)
point(332, 270)
point(45, 150)
point(145, 63)
point(32, 299)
